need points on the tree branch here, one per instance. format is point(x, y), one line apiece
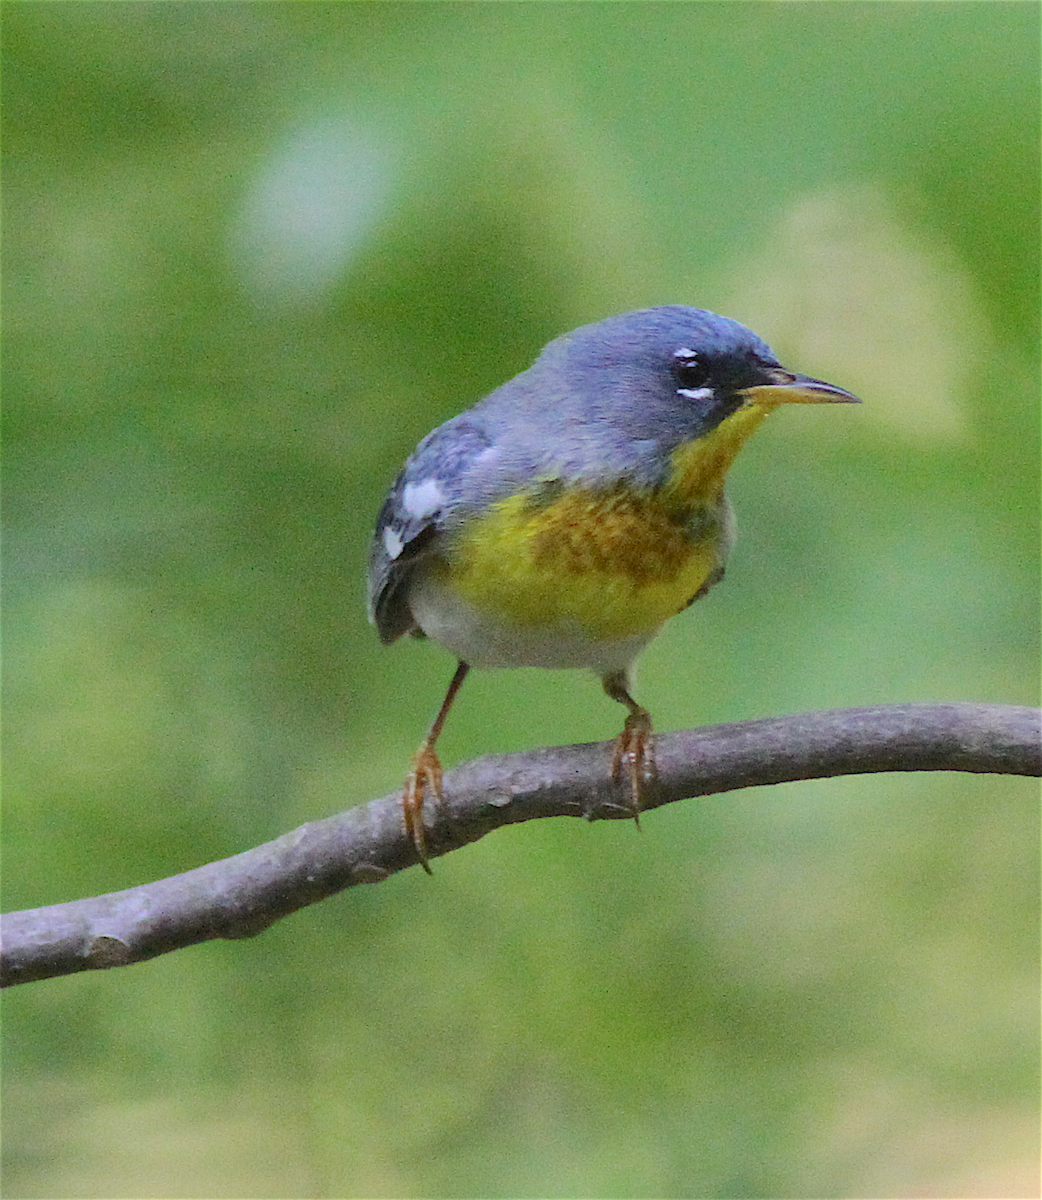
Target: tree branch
point(239, 896)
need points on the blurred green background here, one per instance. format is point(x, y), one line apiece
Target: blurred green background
point(252, 253)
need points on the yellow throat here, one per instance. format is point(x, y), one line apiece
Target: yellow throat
point(610, 563)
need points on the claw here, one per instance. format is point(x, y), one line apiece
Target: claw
point(425, 773)
point(634, 757)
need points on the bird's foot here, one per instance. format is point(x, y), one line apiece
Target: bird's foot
point(634, 757)
point(425, 776)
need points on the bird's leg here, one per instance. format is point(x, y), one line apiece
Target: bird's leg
point(634, 756)
point(426, 773)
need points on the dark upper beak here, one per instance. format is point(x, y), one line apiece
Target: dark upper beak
point(785, 388)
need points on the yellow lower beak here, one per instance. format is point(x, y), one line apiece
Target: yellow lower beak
point(786, 388)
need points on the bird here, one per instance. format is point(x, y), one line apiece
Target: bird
point(563, 519)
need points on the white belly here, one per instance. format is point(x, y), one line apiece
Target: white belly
point(482, 641)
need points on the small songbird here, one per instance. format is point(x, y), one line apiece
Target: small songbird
point(562, 520)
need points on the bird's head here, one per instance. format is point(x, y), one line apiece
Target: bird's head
point(695, 383)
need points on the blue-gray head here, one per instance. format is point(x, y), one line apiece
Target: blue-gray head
point(675, 364)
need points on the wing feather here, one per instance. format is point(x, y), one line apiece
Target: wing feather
point(422, 502)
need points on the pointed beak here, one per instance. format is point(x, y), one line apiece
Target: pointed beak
point(786, 388)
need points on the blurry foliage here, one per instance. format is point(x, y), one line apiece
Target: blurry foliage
point(252, 252)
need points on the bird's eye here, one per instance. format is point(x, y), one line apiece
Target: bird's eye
point(688, 370)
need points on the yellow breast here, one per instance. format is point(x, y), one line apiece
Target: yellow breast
point(612, 563)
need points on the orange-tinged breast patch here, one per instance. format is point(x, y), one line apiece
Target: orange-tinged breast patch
point(611, 564)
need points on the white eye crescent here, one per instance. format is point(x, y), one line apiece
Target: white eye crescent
point(689, 370)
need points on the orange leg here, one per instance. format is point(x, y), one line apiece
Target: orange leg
point(634, 756)
point(426, 773)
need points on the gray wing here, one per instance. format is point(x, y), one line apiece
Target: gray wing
point(425, 499)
